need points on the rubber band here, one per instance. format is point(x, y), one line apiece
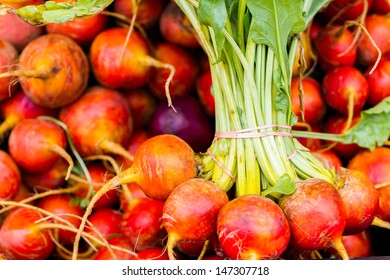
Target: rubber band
point(227, 171)
point(293, 154)
point(246, 133)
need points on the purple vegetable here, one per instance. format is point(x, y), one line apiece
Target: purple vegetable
point(190, 122)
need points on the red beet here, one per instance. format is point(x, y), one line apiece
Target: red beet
point(316, 215)
point(8, 56)
point(105, 223)
point(378, 82)
point(61, 206)
point(342, 10)
point(10, 178)
point(176, 28)
point(375, 164)
point(335, 47)
point(378, 27)
point(130, 71)
point(147, 11)
point(314, 106)
point(186, 71)
point(22, 239)
point(142, 223)
point(380, 7)
point(50, 179)
point(345, 90)
point(104, 254)
point(360, 200)
point(110, 115)
point(23, 193)
point(82, 30)
point(36, 145)
point(195, 248)
point(142, 106)
point(157, 253)
point(252, 227)
point(337, 124)
point(54, 70)
point(357, 245)
point(19, 107)
point(191, 210)
point(17, 31)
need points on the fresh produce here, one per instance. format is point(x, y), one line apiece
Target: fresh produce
point(53, 70)
point(50, 179)
point(22, 238)
point(313, 227)
point(61, 205)
point(314, 107)
point(378, 82)
point(189, 96)
point(37, 144)
point(145, 12)
point(186, 71)
point(141, 223)
point(18, 107)
point(193, 220)
point(10, 178)
point(335, 47)
point(189, 122)
point(110, 115)
point(176, 28)
point(252, 227)
point(160, 164)
point(16, 31)
point(122, 243)
point(345, 90)
point(377, 26)
point(360, 200)
point(8, 56)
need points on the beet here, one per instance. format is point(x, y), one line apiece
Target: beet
point(252, 227)
point(333, 45)
point(176, 28)
point(18, 107)
point(189, 122)
point(160, 164)
point(62, 206)
point(22, 239)
point(142, 223)
point(110, 115)
point(17, 31)
point(54, 70)
point(360, 200)
point(186, 71)
point(37, 144)
point(8, 57)
point(316, 215)
point(378, 27)
point(314, 106)
point(147, 14)
point(104, 254)
point(10, 177)
point(190, 212)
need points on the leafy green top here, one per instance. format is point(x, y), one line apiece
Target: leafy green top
point(53, 12)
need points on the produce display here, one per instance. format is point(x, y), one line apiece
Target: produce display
point(194, 129)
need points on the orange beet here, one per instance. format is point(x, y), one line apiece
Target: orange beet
point(54, 70)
